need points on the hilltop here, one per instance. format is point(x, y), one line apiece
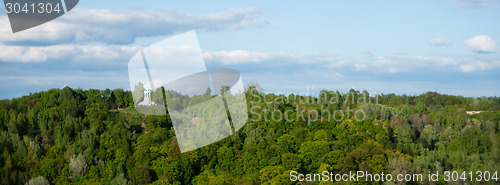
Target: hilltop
point(96, 137)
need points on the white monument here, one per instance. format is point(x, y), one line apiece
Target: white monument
point(147, 99)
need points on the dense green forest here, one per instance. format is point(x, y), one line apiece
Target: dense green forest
point(75, 136)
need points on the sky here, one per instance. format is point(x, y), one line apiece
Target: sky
point(402, 47)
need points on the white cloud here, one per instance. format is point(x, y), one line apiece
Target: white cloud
point(360, 67)
point(92, 54)
point(393, 70)
point(331, 59)
point(241, 56)
point(474, 3)
point(30, 54)
point(338, 76)
point(439, 42)
point(467, 68)
point(380, 64)
point(416, 64)
point(479, 66)
point(236, 57)
point(124, 26)
point(481, 43)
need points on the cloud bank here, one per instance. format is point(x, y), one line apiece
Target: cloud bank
point(379, 65)
point(70, 53)
point(124, 26)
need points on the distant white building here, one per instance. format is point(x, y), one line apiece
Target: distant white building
point(147, 99)
point(473, 112)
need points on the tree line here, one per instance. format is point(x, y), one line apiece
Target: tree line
point(75, 136)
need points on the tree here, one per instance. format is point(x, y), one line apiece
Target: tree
point(429, 136)
point(399, 166)
point(142, 175)
point(226, 158)
point(68, 102)
point(321, 135)
point(312, 151)
point(253, 85)
point(78, 165)
point(40, 180)
point(377, 164)
point(48, 168)
point(120, 179)
point(208, 92)
point(157, 96)
point(222, 179)
point(138, 93)
point(291, 161)
point(286, 143)
point(269, 172)
point(332, 158)
point(405, 143)
point(354, 160)
point(120, 98)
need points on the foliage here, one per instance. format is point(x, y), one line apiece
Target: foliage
point(74, 136)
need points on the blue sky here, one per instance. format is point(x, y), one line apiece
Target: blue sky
point(403, 47)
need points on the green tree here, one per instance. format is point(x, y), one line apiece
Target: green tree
point(311, 152)
point(40, 180)
point(332, 158)
point(269, 172)
point(138, 93)
point(142, 175)
point(78, 164)
point(291, 161)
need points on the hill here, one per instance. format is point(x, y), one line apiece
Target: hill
point(75, 136)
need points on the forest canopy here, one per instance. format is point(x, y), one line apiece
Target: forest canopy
point(75, 136)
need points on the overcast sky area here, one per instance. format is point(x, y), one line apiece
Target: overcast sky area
point(402, 47)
